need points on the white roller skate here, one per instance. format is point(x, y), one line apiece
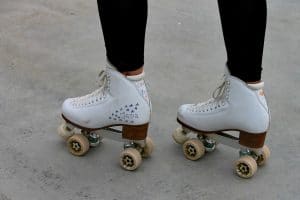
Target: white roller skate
point(236, 107)
point(120, 110)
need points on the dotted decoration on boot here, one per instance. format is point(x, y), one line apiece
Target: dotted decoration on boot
point(126, 114)
point(108, 81)
point(142, 89)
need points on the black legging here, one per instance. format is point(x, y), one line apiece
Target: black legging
point(243, 22)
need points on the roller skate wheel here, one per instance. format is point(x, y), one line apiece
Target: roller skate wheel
point(130, 159)
point(264, 156)
point(193, 149)
point(179, 136)
point(64, 131)
point(148, 148)
point(245, 167)
point(78, 145)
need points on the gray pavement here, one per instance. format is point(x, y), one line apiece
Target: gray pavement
point(53, 49)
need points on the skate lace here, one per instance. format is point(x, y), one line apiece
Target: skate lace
point(219, 91)
point(102, 83)
point(217, 98)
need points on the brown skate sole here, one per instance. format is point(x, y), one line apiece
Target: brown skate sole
point(130, 132)
point(251, 140)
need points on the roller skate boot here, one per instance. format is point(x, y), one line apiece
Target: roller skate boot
point(237, 115)
point(119, 109)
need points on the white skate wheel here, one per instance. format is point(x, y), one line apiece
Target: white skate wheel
point(193, 149)
point(64, 131)
point(264, 156)
point(130, 159)
point(78, 145)
point(179, 136)
point(148, 148)
point(245, 167)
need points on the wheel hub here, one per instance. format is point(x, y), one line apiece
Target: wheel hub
point(243, 169)
point(260, 158)
point(128, 161)
point(190, 149)
point(76, 146)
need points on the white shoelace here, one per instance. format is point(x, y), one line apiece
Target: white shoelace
point(102, 83)
point(216, 96)
point(219, 91)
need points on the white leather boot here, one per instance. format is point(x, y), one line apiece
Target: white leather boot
point(121, 100)
point(235, 105)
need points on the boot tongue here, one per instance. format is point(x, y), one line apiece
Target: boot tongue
point(110, 67)
point(256, 86)
point(226, 71)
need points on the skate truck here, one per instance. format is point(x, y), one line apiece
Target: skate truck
point(136, 144)
point(253, 152)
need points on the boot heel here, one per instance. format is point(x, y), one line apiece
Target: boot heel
point(135, 132)
point(252, 140)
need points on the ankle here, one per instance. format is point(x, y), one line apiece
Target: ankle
point(253, 82)
point(134, 72)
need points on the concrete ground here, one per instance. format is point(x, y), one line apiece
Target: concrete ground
point(53, 49)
